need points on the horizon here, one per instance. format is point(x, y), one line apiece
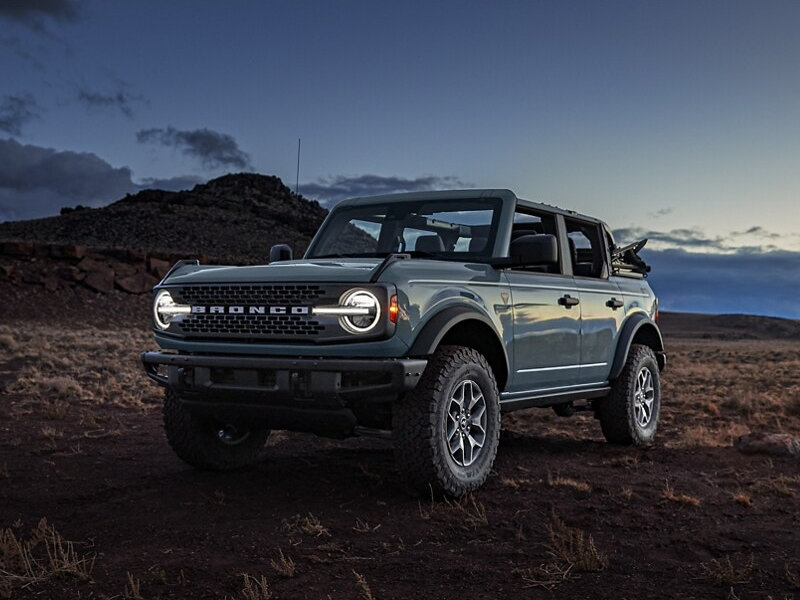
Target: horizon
point(677, 122)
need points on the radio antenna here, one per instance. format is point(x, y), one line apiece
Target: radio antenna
point(297, 178)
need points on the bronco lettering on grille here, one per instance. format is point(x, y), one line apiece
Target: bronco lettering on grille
point(251, 310)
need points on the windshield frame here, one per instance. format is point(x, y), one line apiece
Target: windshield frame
point(347, 211)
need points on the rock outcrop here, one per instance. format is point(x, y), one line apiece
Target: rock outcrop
point(777, 444)
point(235, 218)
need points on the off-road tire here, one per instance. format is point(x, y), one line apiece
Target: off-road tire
point(419, 422)
point(195, 440)
point(617, 412)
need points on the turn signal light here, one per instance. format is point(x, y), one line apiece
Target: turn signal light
point(393, 309)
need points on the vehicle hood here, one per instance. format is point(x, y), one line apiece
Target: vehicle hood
point(339, 270)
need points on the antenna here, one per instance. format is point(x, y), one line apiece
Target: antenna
point(297, 179)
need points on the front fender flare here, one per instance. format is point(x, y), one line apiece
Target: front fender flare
point(438, 325)
point(432, 333)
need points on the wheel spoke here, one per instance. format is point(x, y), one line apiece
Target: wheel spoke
point(462, 392)
point(451, 431)
point(643, 397)
point(476, 416)
point(455, 442)
point(465, 426)
point(475, 442)
point(474, 398)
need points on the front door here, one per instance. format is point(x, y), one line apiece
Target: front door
point(547, 316)
point(546, 331)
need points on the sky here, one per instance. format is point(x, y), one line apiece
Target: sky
point(678, 121)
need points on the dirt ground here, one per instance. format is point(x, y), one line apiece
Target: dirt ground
point(562, 515)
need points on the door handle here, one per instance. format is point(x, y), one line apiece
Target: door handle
point(615, 304)
point(568, 301)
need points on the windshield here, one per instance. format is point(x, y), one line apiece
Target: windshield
point(451, 229)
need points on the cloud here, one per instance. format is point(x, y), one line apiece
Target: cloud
point(661, 213)
point(692, 238)
point(17, 47)
point(763, 283)
point(119, 100)
point(329, 190)
point(214, 149)
point(34, 12)
point(16, 111)
point(758, 231)
point(37, 182)
point(755, 239)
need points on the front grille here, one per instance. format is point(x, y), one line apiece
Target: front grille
point(251, 325)
point(252, 294)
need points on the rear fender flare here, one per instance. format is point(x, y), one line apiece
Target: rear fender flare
point(646, 329)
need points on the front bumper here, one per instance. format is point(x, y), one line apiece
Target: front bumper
point(281, 379)
point(326, 396)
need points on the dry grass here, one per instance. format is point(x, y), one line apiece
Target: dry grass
point(792, 577)
point(364, 527)
point(8, 344)
point(718, 390)
point(284, 565)
point(573, 547)
point(44, 555)
point(546, 576)
point(776, 486)
point(669, 494)
point(363, 587)
point(133, 589)
point(724, 572)
point(374, 477)
point(562, 481)
point(743, 499)
point(69, 366)
point(255, 589)
point(470, 511)
point(308, 524)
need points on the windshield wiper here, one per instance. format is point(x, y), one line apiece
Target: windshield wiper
point(390, 258)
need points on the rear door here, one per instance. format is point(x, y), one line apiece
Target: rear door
point(602, 306)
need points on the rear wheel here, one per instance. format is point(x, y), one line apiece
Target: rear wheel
point(206, 443)
point(446, 430)
point(630, 413)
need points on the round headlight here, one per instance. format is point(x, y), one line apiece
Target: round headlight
point(368, 315)
point(164, 308)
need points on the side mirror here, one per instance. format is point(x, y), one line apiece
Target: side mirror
point(280, 252)
point(534, 250)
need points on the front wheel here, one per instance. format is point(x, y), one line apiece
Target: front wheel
point(630, 413)
point(446, 431)
point(209, 444)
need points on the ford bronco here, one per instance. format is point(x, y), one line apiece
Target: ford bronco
point(417, 317)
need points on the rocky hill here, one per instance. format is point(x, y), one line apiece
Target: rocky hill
point(235, 218)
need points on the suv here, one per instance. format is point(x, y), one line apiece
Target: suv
point(417, 317)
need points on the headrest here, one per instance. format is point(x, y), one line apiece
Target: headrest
point(429, 243)
point(477, 244)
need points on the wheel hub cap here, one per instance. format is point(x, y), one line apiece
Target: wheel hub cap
point(643, 397)
point(230, 435)
point(466, 423)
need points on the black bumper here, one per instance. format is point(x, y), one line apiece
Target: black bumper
point(324, 381)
